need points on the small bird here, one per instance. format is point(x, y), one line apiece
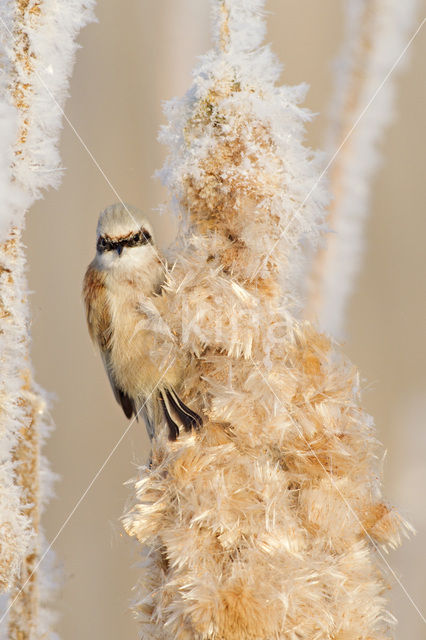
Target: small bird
point(138, 350)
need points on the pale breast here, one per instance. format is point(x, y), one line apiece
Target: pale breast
point(124, 322)
point(134, 346)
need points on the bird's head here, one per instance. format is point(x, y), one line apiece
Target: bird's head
point(124, 240)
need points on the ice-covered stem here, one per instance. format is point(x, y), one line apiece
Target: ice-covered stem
point(265, 523)
point(37, 49)
point(224, 32)
point(15, 524)
point(376, 33)
point(23, 616)
point(22, 422)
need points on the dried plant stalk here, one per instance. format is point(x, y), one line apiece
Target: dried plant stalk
point(33, 87)
point(377, 32)
point(25, 593)
point(15, 522)
point(265, 524)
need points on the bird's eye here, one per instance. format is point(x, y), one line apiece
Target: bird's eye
point(146, 236)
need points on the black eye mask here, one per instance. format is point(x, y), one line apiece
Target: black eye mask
point(136, 240)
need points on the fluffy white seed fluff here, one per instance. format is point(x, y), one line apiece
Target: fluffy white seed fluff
point(264, 523)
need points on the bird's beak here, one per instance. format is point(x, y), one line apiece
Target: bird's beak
point(119, 249)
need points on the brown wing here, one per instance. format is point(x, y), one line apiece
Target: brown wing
point(97, 309)
point(126, 403)
point(99, 323)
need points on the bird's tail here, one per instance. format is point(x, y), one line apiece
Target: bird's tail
point(177, 414)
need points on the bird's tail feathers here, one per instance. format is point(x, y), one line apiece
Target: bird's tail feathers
point(177, 413)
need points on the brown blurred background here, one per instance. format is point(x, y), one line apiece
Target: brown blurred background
point(139, 54)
